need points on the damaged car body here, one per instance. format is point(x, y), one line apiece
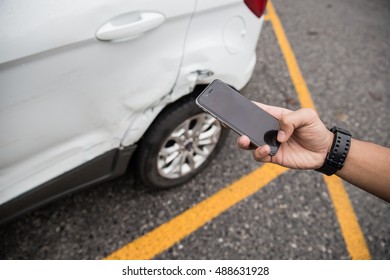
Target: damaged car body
point(86, 88)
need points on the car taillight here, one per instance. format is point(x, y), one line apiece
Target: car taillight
point(256, 6)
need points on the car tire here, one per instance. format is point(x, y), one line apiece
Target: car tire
point(179, 144)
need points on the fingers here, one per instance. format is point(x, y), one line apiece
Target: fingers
point(294, 120)
point(281, 137)
point(261, 154)
point(244, 143)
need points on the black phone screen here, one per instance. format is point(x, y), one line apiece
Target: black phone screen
point(241, 114)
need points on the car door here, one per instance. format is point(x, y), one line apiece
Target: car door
point(74, 75)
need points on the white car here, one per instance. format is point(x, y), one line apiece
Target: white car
point(85, 86)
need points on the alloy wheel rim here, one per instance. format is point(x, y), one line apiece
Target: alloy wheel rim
point(188, 146)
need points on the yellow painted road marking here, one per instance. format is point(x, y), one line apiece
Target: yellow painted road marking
point(166, 235)
point(356, 243)
point(292, 65)
point(353, 236)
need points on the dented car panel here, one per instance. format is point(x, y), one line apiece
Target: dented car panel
point(67, 97)
point(70, 94)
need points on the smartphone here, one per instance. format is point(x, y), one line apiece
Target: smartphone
point(240, 114)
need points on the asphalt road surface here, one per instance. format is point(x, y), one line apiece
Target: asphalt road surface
point(343, 50)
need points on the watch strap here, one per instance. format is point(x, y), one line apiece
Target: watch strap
point(338, 152)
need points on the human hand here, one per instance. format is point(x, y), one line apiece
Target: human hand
point(305, 140)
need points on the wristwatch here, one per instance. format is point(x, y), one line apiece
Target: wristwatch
point(338, 152)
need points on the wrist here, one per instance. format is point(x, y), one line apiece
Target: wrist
point(328, 140)
point(329, 143)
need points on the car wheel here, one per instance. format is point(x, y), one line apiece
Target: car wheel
point(179, 144)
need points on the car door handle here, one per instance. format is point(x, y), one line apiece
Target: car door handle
point(129, 26)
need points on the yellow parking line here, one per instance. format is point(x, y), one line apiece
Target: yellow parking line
point(356, 243)
point(353, 236)
point(292, 65)
point(166, 235)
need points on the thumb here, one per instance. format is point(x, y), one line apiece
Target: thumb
point(294, 120)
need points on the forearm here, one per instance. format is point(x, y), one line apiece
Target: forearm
point(367, 166)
